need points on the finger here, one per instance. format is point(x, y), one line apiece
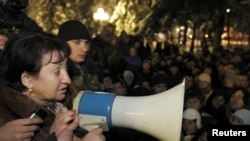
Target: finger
point(27, 121)
point(97, 130)
point(66, 117)
point(103, 137)
point(74, 124)
point(30, 128)
point(62, 121)
point(25, 136)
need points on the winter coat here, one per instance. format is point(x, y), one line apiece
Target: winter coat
point(16, 105)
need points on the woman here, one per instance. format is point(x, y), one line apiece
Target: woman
point(238, 99)
point(34, 74)
point(194, 99)
point(241, 117)
point(191, 123)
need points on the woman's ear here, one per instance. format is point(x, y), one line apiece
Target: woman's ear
point(26, 80)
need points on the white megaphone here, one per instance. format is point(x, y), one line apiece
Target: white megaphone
point(158, 115)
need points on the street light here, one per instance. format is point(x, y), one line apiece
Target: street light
point(100, 15)
point(228, 32)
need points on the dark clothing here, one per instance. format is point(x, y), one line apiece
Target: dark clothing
point(15, 19)
point(208, 108)
point(85, 76)
point(146, 76)
point(15, 105)
point(222, 116)
point(134, 62)
point(185, 137)
point(51, 137)
point(1, 53)
point(125, 134)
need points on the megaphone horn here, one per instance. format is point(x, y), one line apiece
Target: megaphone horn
point(158, 115)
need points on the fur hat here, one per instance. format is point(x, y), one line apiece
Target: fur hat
point(192, 114)
point(204, 77)
point(73, 29)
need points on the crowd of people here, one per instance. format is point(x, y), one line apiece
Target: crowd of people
point(47, 71)
point(216, 82)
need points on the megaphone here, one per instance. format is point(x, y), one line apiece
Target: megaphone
point(158, 115)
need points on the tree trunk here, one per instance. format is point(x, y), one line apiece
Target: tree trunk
point(193, 39)
point(218, 33)
point(249, 38)
point(185, 34)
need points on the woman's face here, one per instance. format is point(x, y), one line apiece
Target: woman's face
point(146, 85)
point(132, 52)
point(189, 126)
point(218, 101)
point(52, 81)
point(236, 121)
point(236, 100)
point(193, 103)
point(3, 40)
point(128, 79)
point(146, 66)
point(189, 81)
point(119, 89)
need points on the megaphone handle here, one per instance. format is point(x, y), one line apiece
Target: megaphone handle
point(80, 132)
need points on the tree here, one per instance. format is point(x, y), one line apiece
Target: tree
point(147, 17)
point(51, 14)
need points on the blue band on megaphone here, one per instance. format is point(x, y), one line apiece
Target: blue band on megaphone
point(97, 103)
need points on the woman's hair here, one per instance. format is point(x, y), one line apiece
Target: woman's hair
point(118, 79)
point(194, 93)
point(246, 95)
point(24, 52)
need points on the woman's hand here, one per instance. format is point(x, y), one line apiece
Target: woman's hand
point(20, 129)
point(94, 135)
point(63, 121)
point(66, 122)
point(67, 133)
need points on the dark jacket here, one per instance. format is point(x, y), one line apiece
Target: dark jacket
point(85, 76)
point(51, 137)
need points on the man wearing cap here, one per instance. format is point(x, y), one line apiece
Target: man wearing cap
point(81, 67)
point(204, 84)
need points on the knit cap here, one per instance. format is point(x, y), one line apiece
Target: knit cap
point(73, 29)
point(205, 77)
